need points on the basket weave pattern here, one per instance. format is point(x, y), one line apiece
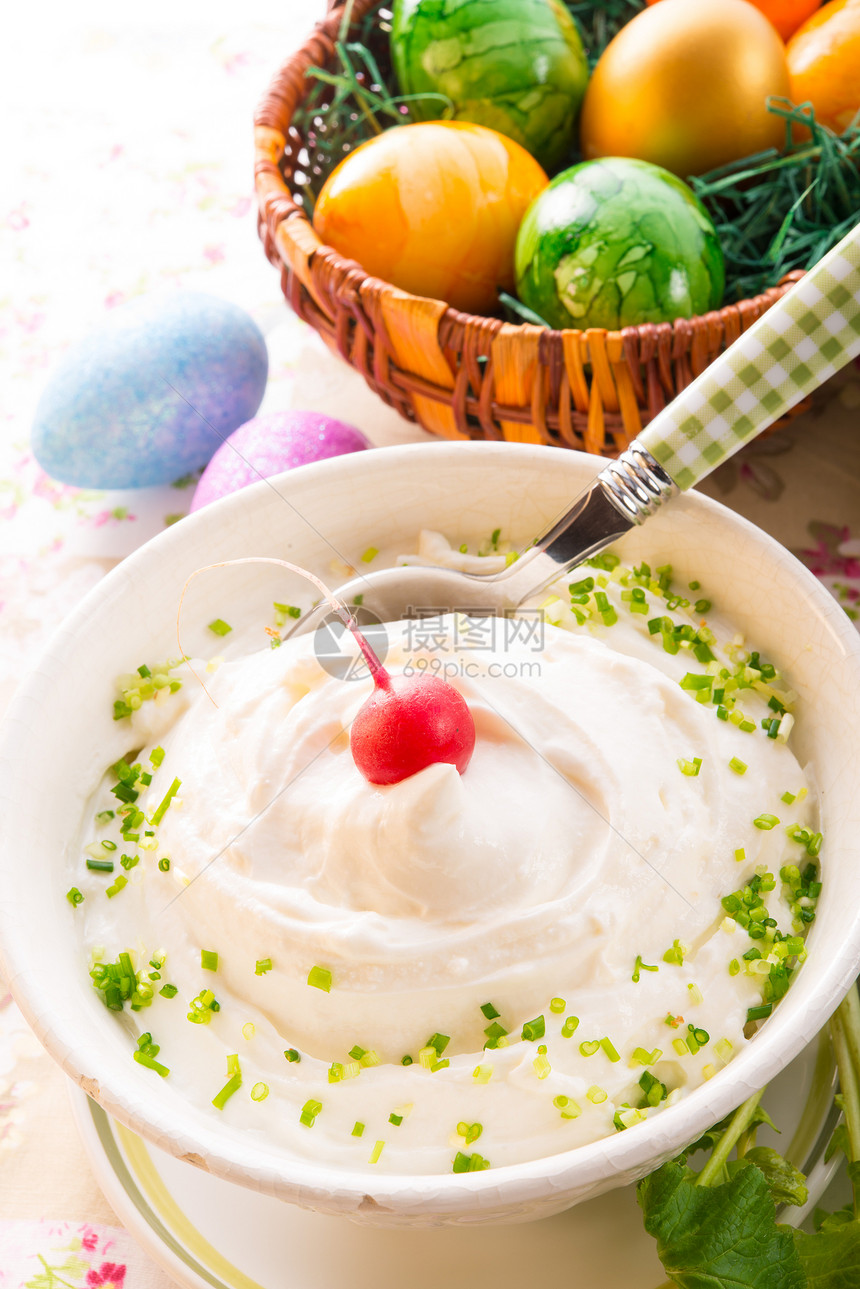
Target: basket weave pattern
point(458, 375)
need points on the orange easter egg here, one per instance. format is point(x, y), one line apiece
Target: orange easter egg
point(433, 208)
point(824, 63)
point(685, 85)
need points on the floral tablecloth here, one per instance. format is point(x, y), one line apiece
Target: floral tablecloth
point(128, 168)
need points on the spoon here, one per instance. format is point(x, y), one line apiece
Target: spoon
point(807, 336)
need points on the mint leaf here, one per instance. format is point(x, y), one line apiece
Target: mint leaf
point(721, 1237)
point(831, 1258)
point(786, 1184)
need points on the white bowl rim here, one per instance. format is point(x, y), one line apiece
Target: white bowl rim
point(227, 1155)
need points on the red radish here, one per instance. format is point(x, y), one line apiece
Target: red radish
point(407, 723)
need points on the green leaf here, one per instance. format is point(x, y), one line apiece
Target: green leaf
point(823, 1221)
point(719, 1237)
point(831, 1258)
point(785, 1183)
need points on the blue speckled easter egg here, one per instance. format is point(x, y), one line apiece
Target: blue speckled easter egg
point(273, 443)
point(151, 394)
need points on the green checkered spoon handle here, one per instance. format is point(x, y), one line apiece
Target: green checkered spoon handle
point(812, 331)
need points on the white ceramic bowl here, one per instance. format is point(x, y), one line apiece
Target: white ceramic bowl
point(52, 753)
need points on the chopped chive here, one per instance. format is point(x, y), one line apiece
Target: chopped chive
point(292, 1056)
point(146, 1053)
point(570, 1026)
point(496, 1035)
point(156, 756)
point(690, 768)
point(557, 1005)
point(104, 816)
point(541, 1065)
point(438, 1042)
point(469, 1131)
point(590, 1047)
point(739, 766)
point(169, 991)
point(489, 1011)
point(789, 798)
point(740, 854)
point(482, 1073)
point(369, 1060)
point(596, 1095)
point(696, 995)
point(118, 883)
point(309, 1112)
point(406, 1060)
point(677, 953)
point(680, 1047)
point(284, 611)
point(474, 1163)
point(320, 978)
point(378, 1148)
point(74, 896)
point(263, 965)
point(208, 960)
point(765, 822)
point(760, 1013)
point(534, 1029)
point(609, 1050)
point(356, 1053)
point(335, 1072)
point(697, 1038)
point(358, 1129)
point(164, 865)
point(259, 1091)
point(249, 1029)
point(638, 966)
point(100, 865)
point(643, 1057)
point(695, 680)
point(129, 861)
point(232, 1085)
point(369, 555)
point(168, 797)
point(396, 1119)
point(219, 627)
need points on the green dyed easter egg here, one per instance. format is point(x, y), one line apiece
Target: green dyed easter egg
point(617, 242)
point(517, 66)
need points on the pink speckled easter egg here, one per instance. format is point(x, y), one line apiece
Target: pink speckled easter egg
point(269, 444)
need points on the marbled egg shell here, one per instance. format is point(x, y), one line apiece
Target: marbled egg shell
point(149, 395)
point(270, 444)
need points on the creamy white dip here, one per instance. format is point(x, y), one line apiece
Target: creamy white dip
point(572, 878)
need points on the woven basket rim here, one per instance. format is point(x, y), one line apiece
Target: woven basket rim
point(277, 206)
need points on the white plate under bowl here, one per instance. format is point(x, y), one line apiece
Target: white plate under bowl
point(207, 1233)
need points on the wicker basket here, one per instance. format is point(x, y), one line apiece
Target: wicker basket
point(458, 375)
